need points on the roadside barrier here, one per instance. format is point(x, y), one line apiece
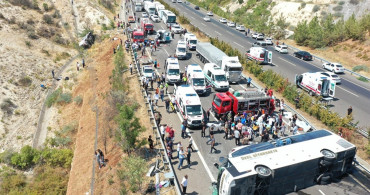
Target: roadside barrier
point(162, 151)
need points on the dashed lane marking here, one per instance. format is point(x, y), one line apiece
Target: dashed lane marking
point(238, 44)
point(347, 91)
point(287, 61)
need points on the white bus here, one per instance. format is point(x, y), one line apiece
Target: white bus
point(168, 17)
point(285, 165)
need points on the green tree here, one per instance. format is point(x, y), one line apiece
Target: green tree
point(26, 158)
point(353, 29)
point(300, 33)
point(133, 172)
point(129, 129)
point(315, 33)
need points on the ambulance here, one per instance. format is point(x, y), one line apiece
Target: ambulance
point(196, 79)
point(260, 55)
point(216, 77)
point(316, 84)
point(172, 69)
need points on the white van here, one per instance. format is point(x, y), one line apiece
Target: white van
point(191, 41)
point(181, 50)
point(196, 79)
point(216, 77)
point(172, 69)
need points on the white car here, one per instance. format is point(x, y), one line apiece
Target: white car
point(154, 18)
point(207, 19)
point(179, 1)
point(254, 35)
point(240, 27)
point(223, 20)
point(332, 76)
point(268, 41)
point(144, 15)
point(281, 48)
point(334, 67)
point(181, 42)
point(209, 13)
point(175, 28)
point(260, 36)
point(147, 72)
point(231, 24)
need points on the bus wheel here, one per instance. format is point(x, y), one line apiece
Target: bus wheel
point(328, 155)
point(263, 171)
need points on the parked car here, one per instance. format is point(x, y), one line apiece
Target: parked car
point(196, 7)
point(223, 20)
point(304, 55)
point(255, 35)
point(260, 36)
point(154, 18)
point(332, 76)
point(209, 13)
point(179, 1)
point(334, 67)
point(207, 19)
point(281, 48)
point(175, 28)
point(144, 15)
point(230, 24)
point(268, 41)
point(259, 44)
point(131, 19)
point(240, 27)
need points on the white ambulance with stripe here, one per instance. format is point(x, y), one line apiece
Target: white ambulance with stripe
point(316, 84)
point(260, 55)
point(196, 79)
point(189, 105)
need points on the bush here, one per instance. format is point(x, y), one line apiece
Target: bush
point(60, 40)
point(52, 98)
point(56, 14)
point(32, 35)
point(25, 81)
point(107, 4)
point(46, 7)
point(315, 8)
point(341, 3)
point(57, 157)
point(133, 172)
point(30, 21)
point(363, 79)
point(354, 2)
point(60, 141)
point(338, 8)
point(48, 19)
point(78, 100)
point(64, 98)
point(6, 156)
point(28, 44)
point(7, 106)
point(360, 68)
point(26, 158)
point(45, 32)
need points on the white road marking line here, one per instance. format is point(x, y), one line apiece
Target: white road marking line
point(355, 84)
point(229, 32)
point(192, 17)
point(195, 145)
point(347, 91)
point(362, 185)
point(242, 86)
point(321, 192)
point(218, 33)
point(203, 24)
point(287, 61)
point(166, 51)
point(238, 44)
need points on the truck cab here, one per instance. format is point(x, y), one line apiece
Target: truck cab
point(196, 79)
point(241, 101)
point(181, 50)
point(147, 26)
point(216, 77)
point(189, 105)
point(138, 36)
point(191, 41)
point(172, 69)
point(233, 68)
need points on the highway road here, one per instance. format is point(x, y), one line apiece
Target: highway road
point(202, 172)
point(351, 92)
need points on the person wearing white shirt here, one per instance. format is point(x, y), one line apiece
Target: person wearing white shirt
point(237, 137)
point(184, 184)
point(163, 132)
point(178, 149)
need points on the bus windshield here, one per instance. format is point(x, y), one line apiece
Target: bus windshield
point(193, 41)
point(171, 19)
point(194, 110)
point(220, 78)
point(173, 72)
point(198, 82)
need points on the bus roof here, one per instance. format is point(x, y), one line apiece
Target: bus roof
point(285, 152)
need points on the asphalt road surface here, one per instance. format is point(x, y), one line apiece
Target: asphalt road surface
point(351, 92)
point(202, 172)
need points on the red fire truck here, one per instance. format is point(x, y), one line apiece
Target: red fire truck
point(249, 100)
point(146, 26)
point(138, 36)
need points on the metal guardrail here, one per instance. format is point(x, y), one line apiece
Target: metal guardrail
point(363, 167)
point(323, 60)
point(155, 126)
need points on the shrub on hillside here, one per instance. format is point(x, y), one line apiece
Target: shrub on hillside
point(315, 8)
point(26, 158)
point(44, 31)
point(25, 81)
point(48, 19)
point(60, 40)
point(30, 21)
point(32, 35)
point(360, 68)
point(78, 100)
point(64, 98)
point(354, 2)
point(7, 106)
point(52, 98)
point(107, 4)
point(338, 8)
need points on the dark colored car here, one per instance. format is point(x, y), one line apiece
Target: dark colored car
point(196, 7)
point(304, 55)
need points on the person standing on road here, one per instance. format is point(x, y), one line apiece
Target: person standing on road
point(131, 68)
point(295, 129)
point(78, 66)
point(167, 103)
point(52, 73)
point(188, 155)
point(210, 135)
point(282, 130)
point(183, 130)
point(151, 145)
point(237, 137)
point(179, 146)
point(163, 132)
point(213, 142)
point(181, 157)
point(204, 126)
point(282, 106)
point(226, 129)
point(349, 111)
point(184, 184)
point(191, 143)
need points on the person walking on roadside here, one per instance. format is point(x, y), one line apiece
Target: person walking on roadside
point(237, 137)
point(97, 155)
point(204, 126)
point(210, 135)
point(179, 146)
point(78, 66)
point(349, 111)
point(151, 145)
point(226, 129)
point(167, 103)
point(52, 73)
point(213, 142)
point(131, 68)
point(188, 155)
point(184, 184)
point(181, 157)
point(83, 63)
point(191, 143)
point(183, 130)
point(163, 132)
